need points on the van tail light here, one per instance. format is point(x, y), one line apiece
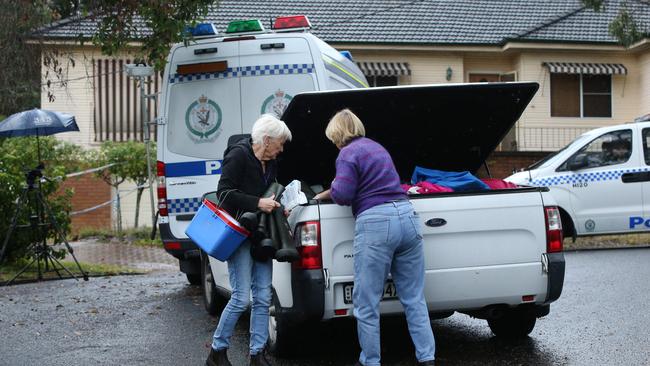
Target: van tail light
point(308, 244)
point(162, 188)
point(553, 229)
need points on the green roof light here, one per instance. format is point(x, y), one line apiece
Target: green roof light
point(240, 26)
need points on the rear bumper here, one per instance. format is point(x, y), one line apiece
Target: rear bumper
point(556, 266)
point(188, 254)
point(308, 292)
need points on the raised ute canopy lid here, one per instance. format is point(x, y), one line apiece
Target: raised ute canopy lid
point(446, 127)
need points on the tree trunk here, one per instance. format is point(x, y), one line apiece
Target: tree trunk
point(137, 206)
point(118, 207)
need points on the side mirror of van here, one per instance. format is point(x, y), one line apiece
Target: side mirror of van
point(577, 162)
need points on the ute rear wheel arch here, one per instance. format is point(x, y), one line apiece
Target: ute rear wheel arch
point(283, 335)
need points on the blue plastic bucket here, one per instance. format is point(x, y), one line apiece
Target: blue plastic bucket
point(215, 231)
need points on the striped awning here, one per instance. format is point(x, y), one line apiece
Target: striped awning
point(384, 68)
point(585, 68)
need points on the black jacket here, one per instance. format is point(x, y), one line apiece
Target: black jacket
point(242, 181)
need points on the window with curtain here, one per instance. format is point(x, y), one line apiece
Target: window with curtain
point(581, 95)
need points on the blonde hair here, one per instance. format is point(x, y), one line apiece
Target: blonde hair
point(343, 127)
point(269, 125)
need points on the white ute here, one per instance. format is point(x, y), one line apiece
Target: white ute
point(494, 254)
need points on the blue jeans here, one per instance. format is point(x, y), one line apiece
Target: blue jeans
point(387, 239)
point(246, 275)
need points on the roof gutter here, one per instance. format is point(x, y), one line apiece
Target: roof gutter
point(565, 46)
point(508, 46)
point(70, 42)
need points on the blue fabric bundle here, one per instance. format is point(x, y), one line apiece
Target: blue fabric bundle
point(458, 181)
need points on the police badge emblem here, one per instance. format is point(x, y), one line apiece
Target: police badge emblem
point(203, 120)
point(276, 103)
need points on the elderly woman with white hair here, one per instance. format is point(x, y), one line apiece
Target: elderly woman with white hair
point(248, 168)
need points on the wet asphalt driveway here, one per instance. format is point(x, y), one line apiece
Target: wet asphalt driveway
point(600, 319)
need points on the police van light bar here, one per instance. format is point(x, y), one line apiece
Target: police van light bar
point(202, 29)
point(240, 26)
point(346, 54)
point(294, 21)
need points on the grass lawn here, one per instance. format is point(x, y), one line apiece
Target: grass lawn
point(8, 271)
point(607, 241)
point(138, 236)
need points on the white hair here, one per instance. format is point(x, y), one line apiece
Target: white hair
point(269, 125)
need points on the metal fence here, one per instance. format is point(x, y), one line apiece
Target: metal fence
point(541, 138)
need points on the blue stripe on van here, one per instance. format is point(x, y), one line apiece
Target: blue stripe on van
point(257, 70)
point(204, 167)
point(584, 177)
point(183, 205)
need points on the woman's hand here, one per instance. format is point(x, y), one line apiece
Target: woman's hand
point(267, 204)
point(324, 195)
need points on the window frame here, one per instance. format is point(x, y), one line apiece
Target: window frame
point(372, 80)
point(581, 96)
point(564, 166)
point(646, 146)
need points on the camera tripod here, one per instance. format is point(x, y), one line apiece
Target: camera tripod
point(38, 210)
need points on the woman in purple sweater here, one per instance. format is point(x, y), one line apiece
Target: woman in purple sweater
point(387, 237)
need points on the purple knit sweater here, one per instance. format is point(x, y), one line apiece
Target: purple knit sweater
point(365, 176)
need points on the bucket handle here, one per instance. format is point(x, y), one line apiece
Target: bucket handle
point(222, 198)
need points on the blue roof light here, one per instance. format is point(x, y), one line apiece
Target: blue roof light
point(347, 55)
point(202, 29)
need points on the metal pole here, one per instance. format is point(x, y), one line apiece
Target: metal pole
point(147, 140)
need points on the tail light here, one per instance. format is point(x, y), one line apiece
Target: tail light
point(308, 244)
point(162, 189)
point(553, 229)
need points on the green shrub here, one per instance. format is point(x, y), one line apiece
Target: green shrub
point(17, 157)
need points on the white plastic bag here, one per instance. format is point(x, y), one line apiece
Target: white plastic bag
point(293, 195)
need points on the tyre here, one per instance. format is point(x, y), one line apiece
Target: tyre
point(513, 324)
point(212, 302)
point(193, 279)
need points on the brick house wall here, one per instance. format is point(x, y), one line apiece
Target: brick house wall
point(89, 191)
point(502, 163)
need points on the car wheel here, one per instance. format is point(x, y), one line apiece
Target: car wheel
point(513, 324)
point(193, 279)
point(213, 303)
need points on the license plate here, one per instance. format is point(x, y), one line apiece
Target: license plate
point(389, 291)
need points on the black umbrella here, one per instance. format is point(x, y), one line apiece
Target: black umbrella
point(37, 122)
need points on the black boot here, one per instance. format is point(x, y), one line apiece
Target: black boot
point(260, 359)
point(427, 363)
point(217, 358)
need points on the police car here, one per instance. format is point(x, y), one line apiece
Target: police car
point(601, 180)
point(216, 87)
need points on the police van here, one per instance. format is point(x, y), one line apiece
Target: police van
point(216, 87)
point(601, 180)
